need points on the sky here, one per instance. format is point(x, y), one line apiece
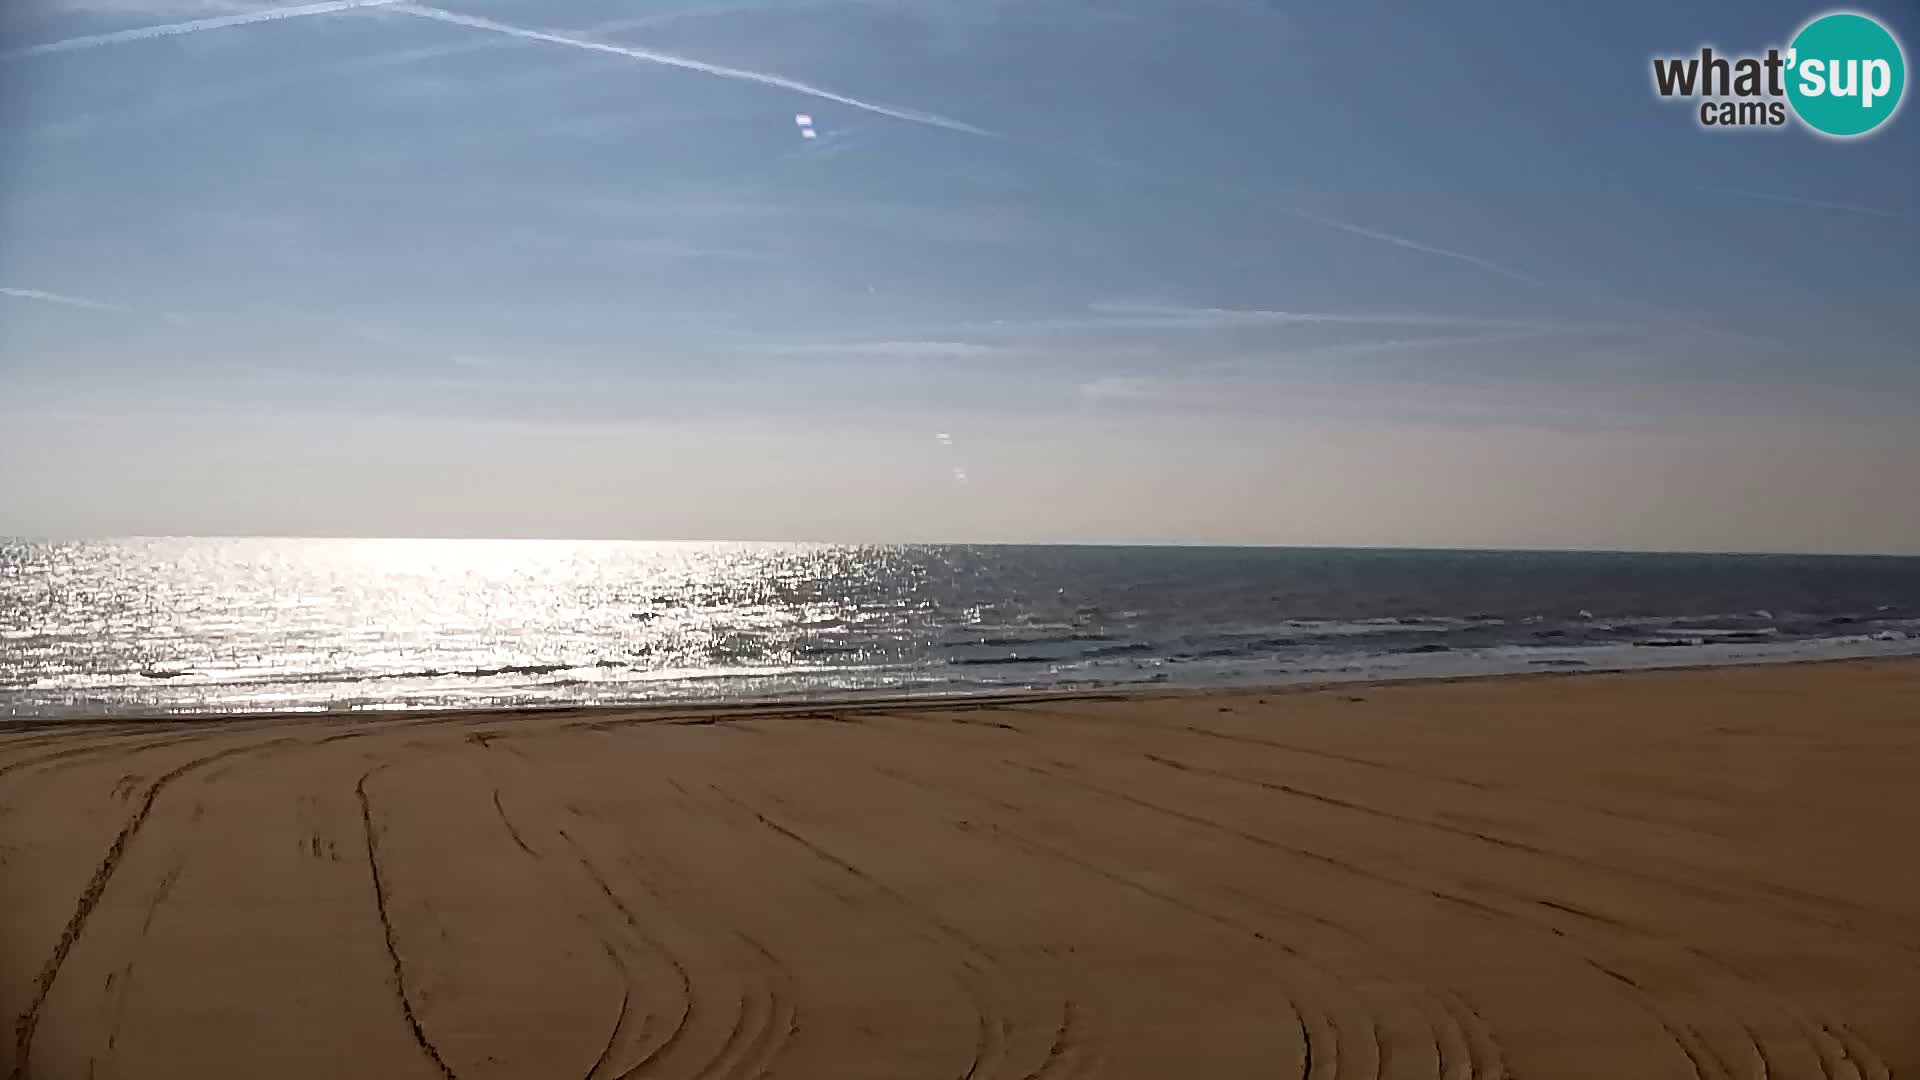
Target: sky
point(1128, 271)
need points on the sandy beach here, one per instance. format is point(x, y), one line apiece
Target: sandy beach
point(1686, 874)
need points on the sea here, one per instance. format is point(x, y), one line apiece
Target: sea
point(169, 627)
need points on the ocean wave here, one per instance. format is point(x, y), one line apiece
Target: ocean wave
point(1128, 648)
point(483, 672)
point(1060, 636)
point(655, 619)
point(416, 673)
point(998, 661)
point(815, 649)
point(1219, 652)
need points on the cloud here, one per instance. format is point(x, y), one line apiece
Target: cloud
point(652, 56)
point(192, 26)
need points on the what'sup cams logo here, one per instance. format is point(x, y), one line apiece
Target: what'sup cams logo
point(1842, 76)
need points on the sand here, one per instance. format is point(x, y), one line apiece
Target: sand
point(1693, 874)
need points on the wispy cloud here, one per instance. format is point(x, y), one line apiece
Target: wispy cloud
point(1232, 380)
point(1391, 345)
point(192, 26)
point(654, 56)
point(1134, 316)
point(902, 349)
point(1160, 174)
point(1459, 406)
point(1178, 316)
point(1812, 204)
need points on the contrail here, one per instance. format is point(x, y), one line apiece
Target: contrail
point(65, 300)
point(192, 26)
point(1586, 296)
point(239, 90)
point(1814, 204)
point(1323, 220)
point(651, 56)
point(1414, 245)
point(87, 303)
point(242, 89)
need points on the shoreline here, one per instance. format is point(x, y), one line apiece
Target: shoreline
point(885, 699)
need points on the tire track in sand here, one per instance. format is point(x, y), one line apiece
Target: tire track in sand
point(117, 981)
point(1484, 1055)
point(774, 997)
point(29, 1019)
point(1856, 1055)
point(620, 1018)
point(512, 832)
point(1328, 1033)
point(782, 1017)
point(1794, 903)
point(992, 1027)
point(75, 755)
point(380, 894)
point(689, 1003)
point(1320, 1034)
point(1683, 1036)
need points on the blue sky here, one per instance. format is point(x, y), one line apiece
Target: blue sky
point(1140, 270)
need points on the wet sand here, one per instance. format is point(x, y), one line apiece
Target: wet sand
point(1692, 874)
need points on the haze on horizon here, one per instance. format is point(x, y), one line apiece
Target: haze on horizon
point(1186, 271)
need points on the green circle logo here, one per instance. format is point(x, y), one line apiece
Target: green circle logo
point(1845, 74)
